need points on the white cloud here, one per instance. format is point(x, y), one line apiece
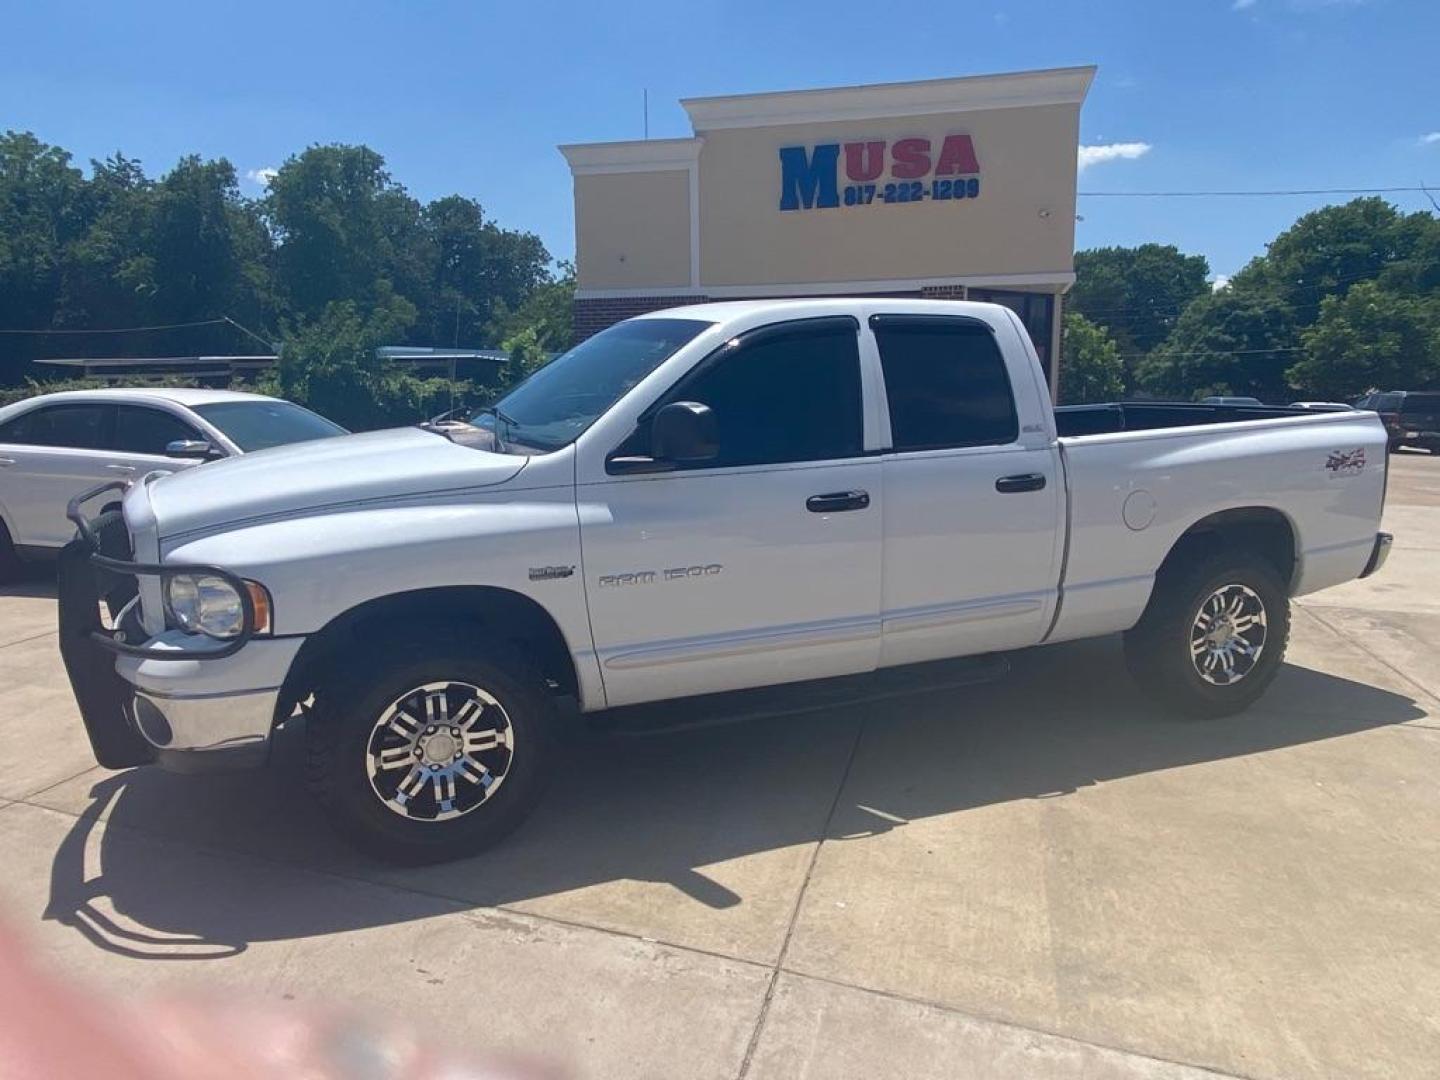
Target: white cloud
point(261, 176)
point(1429, 137)
point(1094, 155)
point(1221, 281)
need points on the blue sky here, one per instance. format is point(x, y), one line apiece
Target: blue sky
point(473, 97)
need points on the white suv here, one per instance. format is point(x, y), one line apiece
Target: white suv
point(55, 445)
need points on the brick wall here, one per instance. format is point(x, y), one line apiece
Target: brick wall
point(593, 315)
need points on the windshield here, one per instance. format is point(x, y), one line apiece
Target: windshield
point(557, 403)
point(258, 425)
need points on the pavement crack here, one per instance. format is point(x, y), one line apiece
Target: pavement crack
point(779, 966)
point(32, 637)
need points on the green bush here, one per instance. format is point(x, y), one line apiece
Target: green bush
point(330, 364)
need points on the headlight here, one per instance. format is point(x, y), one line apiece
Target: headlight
point(206, 604)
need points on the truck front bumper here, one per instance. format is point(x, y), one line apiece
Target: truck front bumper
point(205, 734)
point(184, 703)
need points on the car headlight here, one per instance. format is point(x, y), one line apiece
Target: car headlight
point(210, 605)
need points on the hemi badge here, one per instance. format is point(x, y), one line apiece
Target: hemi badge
point(550, 573)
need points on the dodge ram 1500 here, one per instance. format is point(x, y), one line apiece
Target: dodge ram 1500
point(702, 499)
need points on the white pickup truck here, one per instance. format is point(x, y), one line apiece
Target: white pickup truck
point(703, 499)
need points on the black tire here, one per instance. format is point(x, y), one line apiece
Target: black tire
point(1160, 648)
point(10, 563)
point(343, 730)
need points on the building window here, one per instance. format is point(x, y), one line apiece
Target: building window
point(1036, 311)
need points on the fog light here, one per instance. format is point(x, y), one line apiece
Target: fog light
point(151, 722)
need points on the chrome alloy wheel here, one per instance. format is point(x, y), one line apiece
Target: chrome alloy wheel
point(1228, 634)
point(439, 751)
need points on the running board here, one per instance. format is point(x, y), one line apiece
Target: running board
point(792, 699)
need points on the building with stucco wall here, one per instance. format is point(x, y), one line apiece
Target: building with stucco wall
point(959, 188)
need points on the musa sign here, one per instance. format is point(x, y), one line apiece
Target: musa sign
point(906, 171)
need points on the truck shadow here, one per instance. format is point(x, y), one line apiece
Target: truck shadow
point(651, 805)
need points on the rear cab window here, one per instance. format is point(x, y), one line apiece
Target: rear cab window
point(945, 383)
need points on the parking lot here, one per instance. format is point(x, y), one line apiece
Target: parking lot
point(1035, 877)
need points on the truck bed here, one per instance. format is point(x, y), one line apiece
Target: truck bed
point(1117, 416)
point(1133, 494)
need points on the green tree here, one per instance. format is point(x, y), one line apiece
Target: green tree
point(541, 326)
point(208, 246)
point(345, 230)
point(1330, 250)
point(1091, 368)
point(107, 274)
point(1371, 338)
point(1230, 342)
point(1136, 293)
point(41, 213)
point(480, 271)
point(330, 363)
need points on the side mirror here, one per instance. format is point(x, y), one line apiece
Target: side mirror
point(190, 448)
point(684, 432)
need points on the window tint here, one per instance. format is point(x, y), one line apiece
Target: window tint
point(148, 431)
point(1386, 402)
point(74, 426)
point(14, 430)
point(789, 393)
point(946, 383)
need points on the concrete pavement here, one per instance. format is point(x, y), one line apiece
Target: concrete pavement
point(1039, 877)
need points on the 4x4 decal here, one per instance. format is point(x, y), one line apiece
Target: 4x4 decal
point(1346, 462)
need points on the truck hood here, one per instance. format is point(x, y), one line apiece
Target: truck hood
point(324, 473)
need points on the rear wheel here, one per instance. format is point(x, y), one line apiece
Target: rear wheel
point(434, 755)
point(1213, 635)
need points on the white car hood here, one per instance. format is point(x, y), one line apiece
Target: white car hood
point(323, 473)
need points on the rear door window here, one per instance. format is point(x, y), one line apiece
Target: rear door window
point(946, 383)
point(76, 427)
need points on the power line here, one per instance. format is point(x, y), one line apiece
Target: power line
point(246, 330)
point(1246, 194)
point(1224, 352)
point(128, 329)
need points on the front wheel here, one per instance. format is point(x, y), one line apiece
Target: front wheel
point(436, 755)
point(1213, 635)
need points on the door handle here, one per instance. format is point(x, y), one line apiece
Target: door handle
point(121, 468)
point(837, 501)
point(1030, 481)
point(5, 461)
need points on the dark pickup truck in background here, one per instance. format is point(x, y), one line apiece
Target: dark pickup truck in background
point(1411, 417)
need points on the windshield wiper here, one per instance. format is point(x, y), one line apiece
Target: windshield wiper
point(501, 417)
